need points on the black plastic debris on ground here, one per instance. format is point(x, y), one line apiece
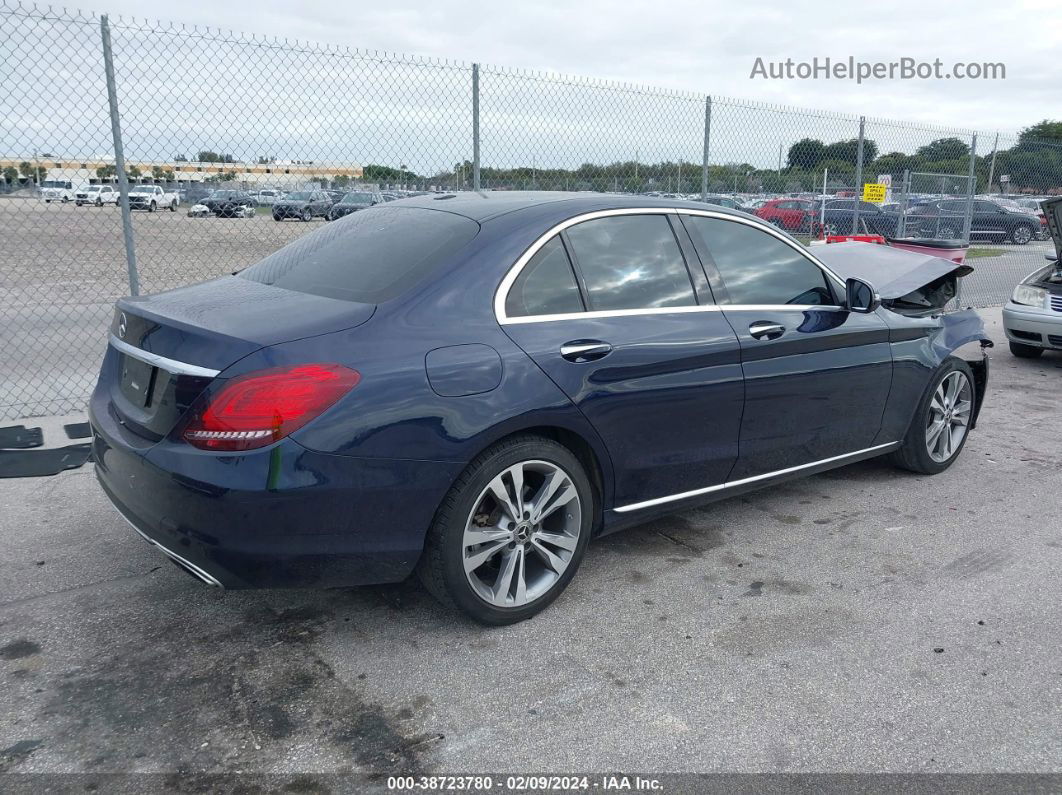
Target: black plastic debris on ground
point(78, 430)
point(38, 463)
point(19, 437)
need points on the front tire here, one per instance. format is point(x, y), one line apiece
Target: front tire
point(307, 215)
point(1026, 351)
point(511, 533)
point(152, 207)
point(941, 422)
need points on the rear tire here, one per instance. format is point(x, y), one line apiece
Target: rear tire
point(277, 217)
point(1026, 351)
point(939, 411)
point(1021, 234)
point(173, 206)
point(472, 574)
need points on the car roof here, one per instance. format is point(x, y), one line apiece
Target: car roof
point(485, 205)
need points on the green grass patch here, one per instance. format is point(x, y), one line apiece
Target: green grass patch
point(981, 251)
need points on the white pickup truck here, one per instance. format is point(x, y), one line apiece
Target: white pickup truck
point(98, 195)
point(151, 198)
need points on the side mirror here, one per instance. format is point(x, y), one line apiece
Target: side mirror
point(860, 296)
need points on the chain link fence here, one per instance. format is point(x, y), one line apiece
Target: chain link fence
point(212, 129)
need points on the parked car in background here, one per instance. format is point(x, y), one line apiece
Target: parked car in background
point(230, 203)
point(352, 202)
point(193, 194)
point(991, 220)
point(152, 198)
point(267, 197)
point(57, 190)
point(471, 386)
point(792, 215)
point(1032, 319)
point(1033, 206)
point(304, 205)
point(837, 218)
point(723, 201)
point(98, 195)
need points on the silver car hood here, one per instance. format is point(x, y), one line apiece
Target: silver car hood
point(893, 272)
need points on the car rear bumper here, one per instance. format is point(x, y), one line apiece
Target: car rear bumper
point(1030, 326)
point(280, 517)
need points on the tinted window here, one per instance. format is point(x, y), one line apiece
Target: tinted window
point(546, 285)
point(985, 207)
point(631, 262)
point(369, 256)
point(758, 268)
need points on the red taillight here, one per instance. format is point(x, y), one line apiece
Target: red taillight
point(256, 409)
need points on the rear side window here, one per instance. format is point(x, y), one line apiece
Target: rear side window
point(631, 262)
point(758, 268)
point(546, 285)
point(370, 256)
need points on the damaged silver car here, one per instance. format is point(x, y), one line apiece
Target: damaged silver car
point(1032, 319)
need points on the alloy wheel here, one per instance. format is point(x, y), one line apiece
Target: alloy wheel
point(949, 416)
point(1021, 235)
point(522, 533)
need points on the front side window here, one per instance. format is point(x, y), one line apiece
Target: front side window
point(758, 268)
point(631, 262)
point(546, 285)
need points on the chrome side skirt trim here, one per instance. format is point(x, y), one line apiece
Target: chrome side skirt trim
point(170, 365)
point(637, 506)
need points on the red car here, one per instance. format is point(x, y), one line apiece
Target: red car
point(792, 215)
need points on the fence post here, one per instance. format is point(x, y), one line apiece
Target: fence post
point(859, 177)
point(119, 158)
point(707, 140)
point(992, 168)
point(971, 189)
point(475, 126)
point(905, 188)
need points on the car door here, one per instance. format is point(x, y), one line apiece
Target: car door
point(990, 220)
point(610, 311)
point(817, 377)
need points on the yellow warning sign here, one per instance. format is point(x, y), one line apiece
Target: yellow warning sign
point(874, 192)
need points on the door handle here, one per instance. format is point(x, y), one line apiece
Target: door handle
point(764, 328)
point(585, 350)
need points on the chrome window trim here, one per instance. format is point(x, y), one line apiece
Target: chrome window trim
point(502, 292)
point(162, 362)
point(510, 277)
point(637, 506)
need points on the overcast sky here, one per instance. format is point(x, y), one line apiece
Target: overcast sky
point(702, 46)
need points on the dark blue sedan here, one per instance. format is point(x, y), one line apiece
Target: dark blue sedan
point(472, 387)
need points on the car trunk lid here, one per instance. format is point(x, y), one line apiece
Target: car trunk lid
point(166, 348)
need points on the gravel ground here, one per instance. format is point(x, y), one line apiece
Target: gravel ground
point(860, 620)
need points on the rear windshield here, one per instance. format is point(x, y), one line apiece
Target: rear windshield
point(370, 256)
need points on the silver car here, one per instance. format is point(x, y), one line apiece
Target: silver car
point(1032, 318)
